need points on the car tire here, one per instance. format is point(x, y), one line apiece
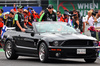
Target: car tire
point(90, 60)
point(9, 51)
point(43, 52)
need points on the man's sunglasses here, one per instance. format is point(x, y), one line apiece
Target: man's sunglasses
point(49, 8)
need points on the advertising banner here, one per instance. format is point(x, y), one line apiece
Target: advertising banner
point(82, 5)
point(1, 7)
point(37, 9)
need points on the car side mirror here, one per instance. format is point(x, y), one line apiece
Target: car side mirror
point(30, 31)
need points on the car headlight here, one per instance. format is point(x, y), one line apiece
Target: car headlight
point(95, 43)
point(56, 43)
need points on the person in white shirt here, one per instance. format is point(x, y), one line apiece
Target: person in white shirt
point(90, 20)
point(98, 19)
point(85, 19)
point(97, 27)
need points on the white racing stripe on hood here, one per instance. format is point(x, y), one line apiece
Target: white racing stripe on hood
point(52, 35)
point(70, 36)
point(79, 36)
point(83, 36)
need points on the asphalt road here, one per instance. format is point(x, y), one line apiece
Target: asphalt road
point(31, 61)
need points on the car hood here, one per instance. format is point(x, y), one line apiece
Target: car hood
point(58, 36)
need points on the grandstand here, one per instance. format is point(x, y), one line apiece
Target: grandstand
point(27, 3)
point(40, 3)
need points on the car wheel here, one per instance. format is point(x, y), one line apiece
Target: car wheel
point(90, 60)
point(43, 52)
point(9, 51)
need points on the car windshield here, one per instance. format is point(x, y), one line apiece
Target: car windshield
point(54, 27)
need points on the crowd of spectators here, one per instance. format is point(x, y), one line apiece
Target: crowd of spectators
point(49, 14)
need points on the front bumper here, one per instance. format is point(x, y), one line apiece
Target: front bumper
point(71, 52)
point(95, 47)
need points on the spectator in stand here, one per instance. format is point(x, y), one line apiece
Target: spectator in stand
point(14, 10)
point(35, 16)
point(1, 24)
point(30, 15)
point(30, 8)
point(92, 10)
point(13, 20)
point(65, 17)
point(91, 20)
point(9, 22)
point(98, 18)
point(25, 13)
point(97, 27)
point(27, 23)
point(31, 19)
point(1, 12)
point(85, 19)
point(77, 20)
point(26, 17)
point(14, 7)
point(59, 16)
point(6, 14)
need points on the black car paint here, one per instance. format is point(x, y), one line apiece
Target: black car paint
point(27, 45)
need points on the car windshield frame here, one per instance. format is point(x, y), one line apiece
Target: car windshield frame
point(53, 23)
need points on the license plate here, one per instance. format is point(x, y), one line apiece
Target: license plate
point(81, 51)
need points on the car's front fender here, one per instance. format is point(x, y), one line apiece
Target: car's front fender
point(5, 39)
point(45, 40)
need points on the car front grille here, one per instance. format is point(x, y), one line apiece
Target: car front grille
point(77, 43)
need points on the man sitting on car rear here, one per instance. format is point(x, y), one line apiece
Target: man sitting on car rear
point(19, 18)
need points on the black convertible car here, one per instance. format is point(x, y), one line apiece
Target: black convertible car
point(49, 40)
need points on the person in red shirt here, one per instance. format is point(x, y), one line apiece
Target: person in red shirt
point(14, 7)
point(29, 13)
point(59, 16)
point(14, 10)
point(35, 16)
point(1, 24)
point(25, 13)
point(26, 17)
point(64, 18)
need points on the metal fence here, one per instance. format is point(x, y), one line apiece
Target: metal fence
point(27, 3)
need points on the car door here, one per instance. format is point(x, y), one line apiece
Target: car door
point(25, 42)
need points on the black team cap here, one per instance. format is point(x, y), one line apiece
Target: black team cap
point(50, 6)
